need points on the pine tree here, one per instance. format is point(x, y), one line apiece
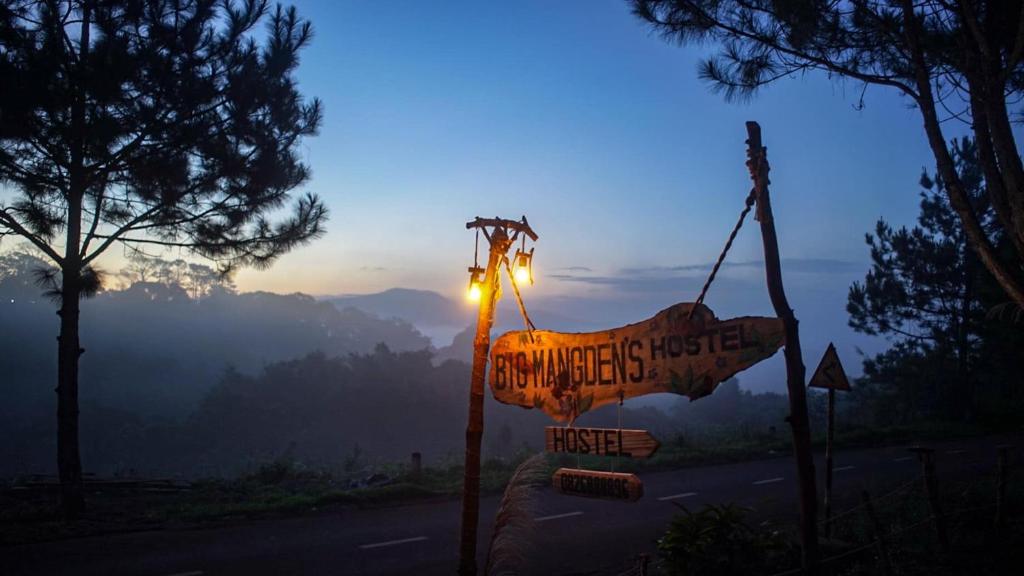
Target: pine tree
point(160, 122)
point(960, 60)
point(926, 292)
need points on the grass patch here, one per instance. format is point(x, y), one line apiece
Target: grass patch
point(286, 488)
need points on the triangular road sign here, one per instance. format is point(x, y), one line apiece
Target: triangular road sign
point(830, 372)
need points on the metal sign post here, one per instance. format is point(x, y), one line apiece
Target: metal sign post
point(830, 375)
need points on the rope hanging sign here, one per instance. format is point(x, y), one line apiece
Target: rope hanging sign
point(683, 349)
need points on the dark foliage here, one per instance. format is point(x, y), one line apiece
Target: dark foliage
point(172, 124)
point(928, 294)
point(165, 345)
point(165, 123)
point(719, 539)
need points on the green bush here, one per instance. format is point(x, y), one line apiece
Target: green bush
point(718, 540)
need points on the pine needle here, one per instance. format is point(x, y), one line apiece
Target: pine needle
point(513, 525)
point(1007, 310)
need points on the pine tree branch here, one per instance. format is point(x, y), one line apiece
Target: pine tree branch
point(110, 239)
point(1018, 49)
point(17, 228)
point(820, 61)
point(97, 214)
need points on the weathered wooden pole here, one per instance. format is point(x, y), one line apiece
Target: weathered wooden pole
point(1002, 477)
point(931, 488)
point(829, 434)
point(757, 163)
point(416, 467)
point(500, 241)
point(475, 427)
point(879, 532)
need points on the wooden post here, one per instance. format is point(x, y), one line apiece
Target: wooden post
point(879, 532)
point(830, 433)
point(931, 487)
point(417, 466)
point(642, 563)
point(1003, 474)
point(499, 243)
point(757, 163)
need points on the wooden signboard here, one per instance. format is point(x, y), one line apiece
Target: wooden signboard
point(608, 485)
point(830, 373)
point(600, 441)
point(566, 375)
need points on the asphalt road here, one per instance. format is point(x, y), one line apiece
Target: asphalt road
point(573, 535)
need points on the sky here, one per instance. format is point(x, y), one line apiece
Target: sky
point(576, 115)
point(627, 165)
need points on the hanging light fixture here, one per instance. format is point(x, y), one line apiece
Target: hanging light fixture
point(474, 291)
point(476, 273)
point(523, 267)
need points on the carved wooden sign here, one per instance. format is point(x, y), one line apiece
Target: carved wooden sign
point(600, 441)
point(566, 375)
point(608, 485)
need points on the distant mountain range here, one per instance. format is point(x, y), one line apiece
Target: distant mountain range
point(422, 308)
point(428, 311)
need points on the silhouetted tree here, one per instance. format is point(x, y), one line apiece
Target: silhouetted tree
point(927, 293)
point(197, 279)
point(955, 59)
point(148, 122)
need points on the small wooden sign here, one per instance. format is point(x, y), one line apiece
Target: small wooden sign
point(566, 375)
point(830, 373)
point(607, 485)
point(600, 441)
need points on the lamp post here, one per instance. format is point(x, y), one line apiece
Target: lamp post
point(501, 235)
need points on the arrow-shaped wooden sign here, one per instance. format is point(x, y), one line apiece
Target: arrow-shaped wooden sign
point(566, 375)
point(608, 485)
point(600, 441)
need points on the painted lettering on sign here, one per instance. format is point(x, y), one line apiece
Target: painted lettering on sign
point(600, 442)
point(566, 375)
point(609, 485)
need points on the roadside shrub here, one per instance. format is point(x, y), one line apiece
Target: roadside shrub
point(719, 540)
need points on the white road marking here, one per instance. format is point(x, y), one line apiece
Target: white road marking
point(955, 451)
point(675, 496)
point(192, 573)
point(392, 542)
point(904, 459)
point(558, 516)
point(841, 468)
point(769, 481)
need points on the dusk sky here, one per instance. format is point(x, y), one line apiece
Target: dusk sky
point(576, 115)
point(627, 165)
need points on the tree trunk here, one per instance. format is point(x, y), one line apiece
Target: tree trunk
point(1005, 148)
point(994, 183)
point(69, 462)
point(963, 343)
point(953, 186)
